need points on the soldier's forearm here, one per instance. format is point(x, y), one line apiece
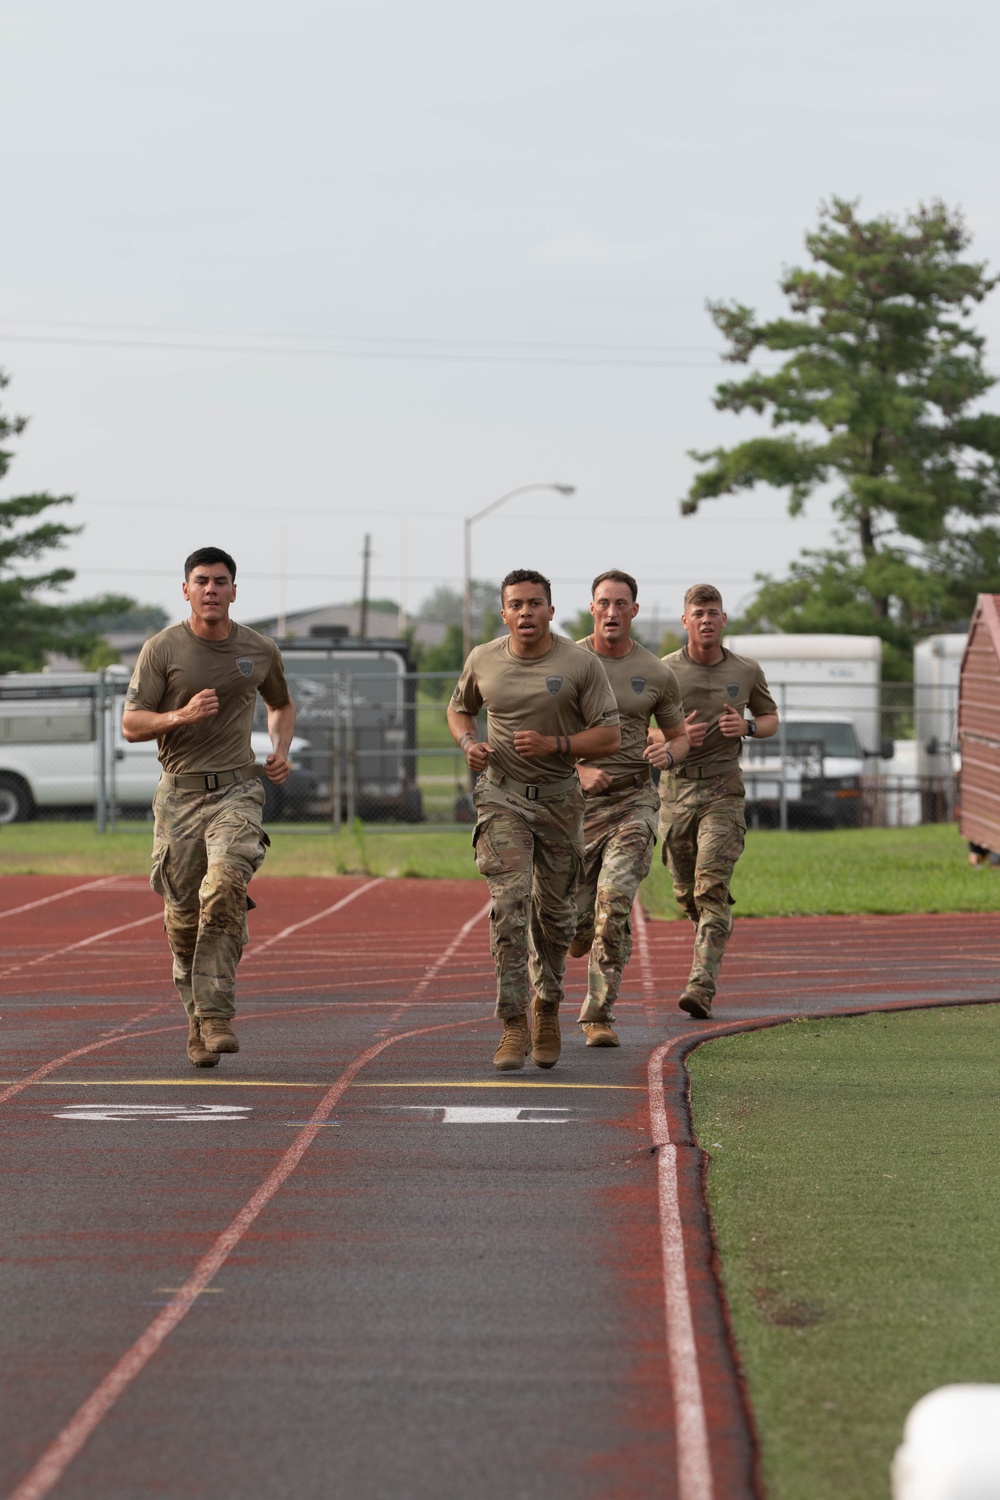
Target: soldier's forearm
point(461, 724)
point(592, 744)
point(281, 727)
point(678, 745)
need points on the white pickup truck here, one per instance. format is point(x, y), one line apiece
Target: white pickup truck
point(51, 726)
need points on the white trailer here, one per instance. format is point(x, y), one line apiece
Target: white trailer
point(827, 688)
point(937, 668)
point(820, 674)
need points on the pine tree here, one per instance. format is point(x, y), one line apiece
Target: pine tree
point(879, 397)
point(31, 629)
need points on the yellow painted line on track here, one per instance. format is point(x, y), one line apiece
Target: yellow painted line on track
point(499, 1083)
point(164, 1083)
point(256, 1083)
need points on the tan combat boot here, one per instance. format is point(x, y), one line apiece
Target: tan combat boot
point(218, 1035)
point(197, 1051)
point(546, 1043)
point(514, 1044)
point(697, 1004)
point(600, 1034)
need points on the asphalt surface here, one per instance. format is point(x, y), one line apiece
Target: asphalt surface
point(354, 1261)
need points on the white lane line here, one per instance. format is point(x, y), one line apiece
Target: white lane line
point(118, 1034)
point(53, 1463)
point(645, 960)
point(694, 1466)
point(96, 937)
point(73, 890)
point(258, 948)
point(435, 968)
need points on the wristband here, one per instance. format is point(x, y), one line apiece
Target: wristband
point(468, 735)
point(670, 758)
point(751, 728)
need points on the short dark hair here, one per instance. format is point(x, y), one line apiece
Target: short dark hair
point(702, 593)
point(526, 575)
point(617, 576)
point(208, 555)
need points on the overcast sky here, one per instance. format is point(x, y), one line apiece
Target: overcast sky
point(277, 276)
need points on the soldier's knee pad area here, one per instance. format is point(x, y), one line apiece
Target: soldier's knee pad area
point(611, 910)
point(181, 926)
point(223, 897)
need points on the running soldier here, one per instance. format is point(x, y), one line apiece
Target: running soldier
point(193, 690)
point(547, 703)
point(619, 825)
point(702, 819)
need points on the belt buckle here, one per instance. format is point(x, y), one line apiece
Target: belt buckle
point(531, 791)
point(212, 782)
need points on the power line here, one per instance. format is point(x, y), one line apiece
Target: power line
point(391, 355)
point(360, 338)
point(433, 515)
point(384, 578)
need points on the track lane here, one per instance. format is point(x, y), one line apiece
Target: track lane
point(808, 977)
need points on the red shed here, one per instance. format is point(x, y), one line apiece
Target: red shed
point(979, 727)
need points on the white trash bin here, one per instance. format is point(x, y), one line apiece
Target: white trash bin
point(951, 1446)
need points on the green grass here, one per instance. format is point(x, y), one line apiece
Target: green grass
point(853, 1188)
point(45, 848)
point(864, 870)
point(848, 870)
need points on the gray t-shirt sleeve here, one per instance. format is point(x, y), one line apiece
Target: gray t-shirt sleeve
point(669, 710)
point(467, 699)
point(759, 699)
point(597, 700)
point(149, 682)
point(274, 688)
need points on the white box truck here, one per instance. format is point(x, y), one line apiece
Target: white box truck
point(827, 688)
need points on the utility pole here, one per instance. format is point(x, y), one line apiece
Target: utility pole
point(365, 569)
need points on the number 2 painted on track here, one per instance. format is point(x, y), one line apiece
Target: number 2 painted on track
point(158, 1112)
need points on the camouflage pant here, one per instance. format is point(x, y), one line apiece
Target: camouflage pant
point(619, 831)
point(702, 824)
point(206, 846)
point(531, 854)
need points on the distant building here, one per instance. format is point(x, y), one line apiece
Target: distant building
point(383, 624)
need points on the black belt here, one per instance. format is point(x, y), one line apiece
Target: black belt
point(637, 779)
point(702, 773)
point(210, 781)
point(533, 791)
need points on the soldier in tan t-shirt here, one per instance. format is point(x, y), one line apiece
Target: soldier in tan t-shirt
point(547, 703)
point(619, 825)
point(702, 819)
point(193, 690)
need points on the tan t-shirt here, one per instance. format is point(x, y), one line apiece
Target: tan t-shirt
point(562, 692)
point(176, 664)
point(645, 688)
point(736, 680)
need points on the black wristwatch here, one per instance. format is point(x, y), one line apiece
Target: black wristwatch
point(751, 728)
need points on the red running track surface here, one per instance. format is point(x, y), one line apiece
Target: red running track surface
point(354, 1260)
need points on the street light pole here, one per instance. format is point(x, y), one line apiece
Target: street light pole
point(563, 489)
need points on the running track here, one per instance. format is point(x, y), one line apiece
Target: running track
point(353, 1261)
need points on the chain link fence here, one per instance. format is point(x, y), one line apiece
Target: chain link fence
point(372, 743)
